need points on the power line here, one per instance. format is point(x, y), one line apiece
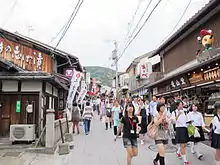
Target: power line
point(139, 29)
point(73, 16)
point(132, 20)
point(10, 12)
point(148, 5)
point(58, 33)
point(183, 14)
point(65, 25)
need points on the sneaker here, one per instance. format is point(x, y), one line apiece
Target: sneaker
point(186, 163)
point(192, 151)
point(200, 157)
point(142, 142)
point(155, 163)
point(178, 155)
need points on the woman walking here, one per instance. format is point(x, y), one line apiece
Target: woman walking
point(87, 116)
point(129, 123)
point(116, 110)
point(75, 117)
point(196, 119)
point(182, 137)
point(216, 135)
point(143, 124)
point(161, 121)
point(108, 116)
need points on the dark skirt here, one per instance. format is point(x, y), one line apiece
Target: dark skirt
point(182, 136)
point(143, 125)
point(216, 141)
point(196, 139)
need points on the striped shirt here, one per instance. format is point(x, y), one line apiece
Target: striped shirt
point(88, 112)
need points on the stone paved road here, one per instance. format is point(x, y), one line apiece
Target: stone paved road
point(98, 148)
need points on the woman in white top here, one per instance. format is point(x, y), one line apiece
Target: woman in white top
point(197, 121)
point(180, 118)
point(216, 136)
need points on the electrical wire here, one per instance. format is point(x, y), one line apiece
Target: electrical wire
point(132, 20)
point(148, 5)
point(139, 29)
point(65, 25)
point(10, 12)
point(183, 14)
point(73, 16)
point(58, 33)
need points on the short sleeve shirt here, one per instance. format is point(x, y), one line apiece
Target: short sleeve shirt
point(130, 127)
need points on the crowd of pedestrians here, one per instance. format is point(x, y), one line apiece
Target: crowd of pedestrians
point(162, 120)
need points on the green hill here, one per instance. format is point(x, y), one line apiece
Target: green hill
point(105, 75)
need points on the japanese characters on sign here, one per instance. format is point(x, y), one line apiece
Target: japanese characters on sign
point(178, 83)
point(25, 57)
point(68, 72)
point(145, 70)
point(212, 74)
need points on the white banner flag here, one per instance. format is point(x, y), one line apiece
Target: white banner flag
point(83, 92)
point(73, 87)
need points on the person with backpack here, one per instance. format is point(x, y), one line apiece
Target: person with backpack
point(216, 133)
point(182, 137)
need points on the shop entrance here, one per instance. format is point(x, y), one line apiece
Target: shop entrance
point(27, 114)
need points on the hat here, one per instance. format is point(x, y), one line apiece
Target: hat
point(205, 32)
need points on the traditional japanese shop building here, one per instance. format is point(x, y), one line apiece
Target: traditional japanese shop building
point(33, 78)
point(188, 73)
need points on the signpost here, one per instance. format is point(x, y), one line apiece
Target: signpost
point(18, 106)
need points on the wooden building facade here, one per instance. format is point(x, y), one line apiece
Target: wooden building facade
point(183, 70)
point(32, 79)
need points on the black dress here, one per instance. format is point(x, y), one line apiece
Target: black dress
point(143, 124)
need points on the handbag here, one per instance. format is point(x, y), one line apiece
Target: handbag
point(152, 130)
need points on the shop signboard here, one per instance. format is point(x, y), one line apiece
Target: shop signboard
point(155, 91)
point(196, 77)
point(212, 74)
point(145, 70)
point(208, 75)
point(18, 106)
point(179, 82)
point(68, 72)
point(25, 57)
point(88, 78)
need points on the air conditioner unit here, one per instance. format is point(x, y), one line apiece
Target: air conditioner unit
point(22, 132)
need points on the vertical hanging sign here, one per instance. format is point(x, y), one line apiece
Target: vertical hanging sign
point(18, 106)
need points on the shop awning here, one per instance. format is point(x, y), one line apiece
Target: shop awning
point(186, 68)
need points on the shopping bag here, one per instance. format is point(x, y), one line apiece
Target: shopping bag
point(197, 134)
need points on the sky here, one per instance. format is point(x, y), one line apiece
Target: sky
point(97, 25)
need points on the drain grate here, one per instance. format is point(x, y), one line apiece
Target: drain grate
point(12, 154)
point(168, 148)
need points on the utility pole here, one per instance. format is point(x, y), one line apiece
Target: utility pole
point(115, 60)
